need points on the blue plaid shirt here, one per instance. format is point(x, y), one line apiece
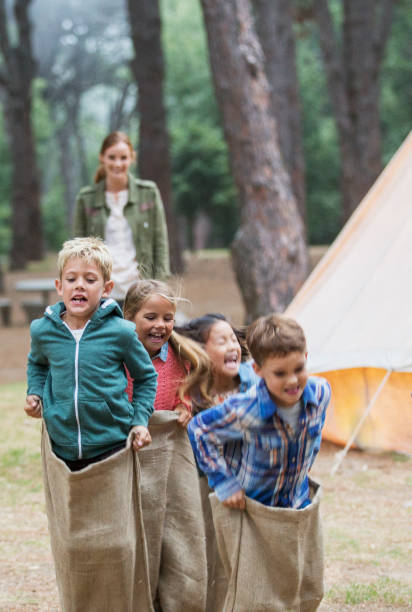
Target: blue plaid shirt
point(244, 444)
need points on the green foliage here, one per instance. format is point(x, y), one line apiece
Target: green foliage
point(201, 179)
point(319, 141)
point(396, 80)
point(56, 229)
point(201, 175)
point(189, 88)
point(52, 202)
point(5, 181)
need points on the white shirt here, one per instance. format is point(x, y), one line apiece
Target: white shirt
point(290, 416)
point(76, 333)
point(119, 239)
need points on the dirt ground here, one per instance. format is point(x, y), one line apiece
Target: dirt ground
point(367, 505)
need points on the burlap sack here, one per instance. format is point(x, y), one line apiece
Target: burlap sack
point(172, 515)
point(96, 533)
point(273, 557)
point(216, 577)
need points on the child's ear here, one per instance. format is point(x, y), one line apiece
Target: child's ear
point(256, 368)
point(58, 285)
point(108, 286)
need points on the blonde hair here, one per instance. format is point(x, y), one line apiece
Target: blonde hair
point(112, 139)
point(274, 335)
point(89, 249)
point(141, 290)
point(187, 350)
point(198, 380)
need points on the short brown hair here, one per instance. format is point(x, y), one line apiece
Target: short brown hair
point(274, 335)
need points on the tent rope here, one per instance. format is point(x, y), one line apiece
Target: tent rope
point(340, 455)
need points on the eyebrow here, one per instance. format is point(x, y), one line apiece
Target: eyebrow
point(91, 273)
point(152, 312)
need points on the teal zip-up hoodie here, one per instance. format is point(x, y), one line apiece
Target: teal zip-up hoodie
point(83, 384)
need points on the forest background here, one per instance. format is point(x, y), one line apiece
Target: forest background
point(339, 72)
point(69, 74)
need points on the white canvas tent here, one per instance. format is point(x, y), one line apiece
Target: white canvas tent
point(356, 310)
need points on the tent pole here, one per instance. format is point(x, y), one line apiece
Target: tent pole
point(340, 455)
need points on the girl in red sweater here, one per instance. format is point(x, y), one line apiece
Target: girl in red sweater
point(151, 305)
point(170, 491)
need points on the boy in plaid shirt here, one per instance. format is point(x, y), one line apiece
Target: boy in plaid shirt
point(262, 443)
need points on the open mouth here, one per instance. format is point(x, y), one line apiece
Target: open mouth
point(292, 391)
point(78, 299)
point(156, 337)
point(231, 360)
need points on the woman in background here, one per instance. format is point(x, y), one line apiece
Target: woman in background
point(127, 213)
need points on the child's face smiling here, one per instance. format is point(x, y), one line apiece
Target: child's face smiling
point(81, 286)
point(154, 323)
point(224, 350)
point(285, 377)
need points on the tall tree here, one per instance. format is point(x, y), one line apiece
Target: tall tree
point(352, 70)
point(79, 47)
point(17, 71)
point(269, 252)
point(275, 29)
point(154, 151)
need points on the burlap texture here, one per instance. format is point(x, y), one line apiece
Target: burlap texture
point(173, 518)
point(273, 557)
point(96, 532)
point(216, 576)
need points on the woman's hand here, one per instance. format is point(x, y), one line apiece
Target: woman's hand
point(141, 437)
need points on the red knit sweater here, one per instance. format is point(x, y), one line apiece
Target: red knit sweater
point(170, 374)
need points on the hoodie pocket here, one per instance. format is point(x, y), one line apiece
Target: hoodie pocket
point(100, 424)
point(61, 423)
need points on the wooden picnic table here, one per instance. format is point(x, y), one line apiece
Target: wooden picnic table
point(34, 308)
point(44, 286)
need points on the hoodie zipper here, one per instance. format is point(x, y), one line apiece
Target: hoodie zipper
point(76, 393)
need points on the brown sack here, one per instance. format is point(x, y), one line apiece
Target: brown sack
point(96, 533)
point(216, 576)
point(273, 557)
point(172, 515)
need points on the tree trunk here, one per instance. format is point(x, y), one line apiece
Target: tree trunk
point(148, 68)
point(275, 30)
point(269, 252)
point(353, 81)
point(16, 78)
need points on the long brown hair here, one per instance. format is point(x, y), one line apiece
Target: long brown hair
point(112, 139)
point(201, 382)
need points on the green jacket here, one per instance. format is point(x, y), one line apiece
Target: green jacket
point(144, 213)
point(83, 384)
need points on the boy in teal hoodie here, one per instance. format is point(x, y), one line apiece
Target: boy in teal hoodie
point(76, 363)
